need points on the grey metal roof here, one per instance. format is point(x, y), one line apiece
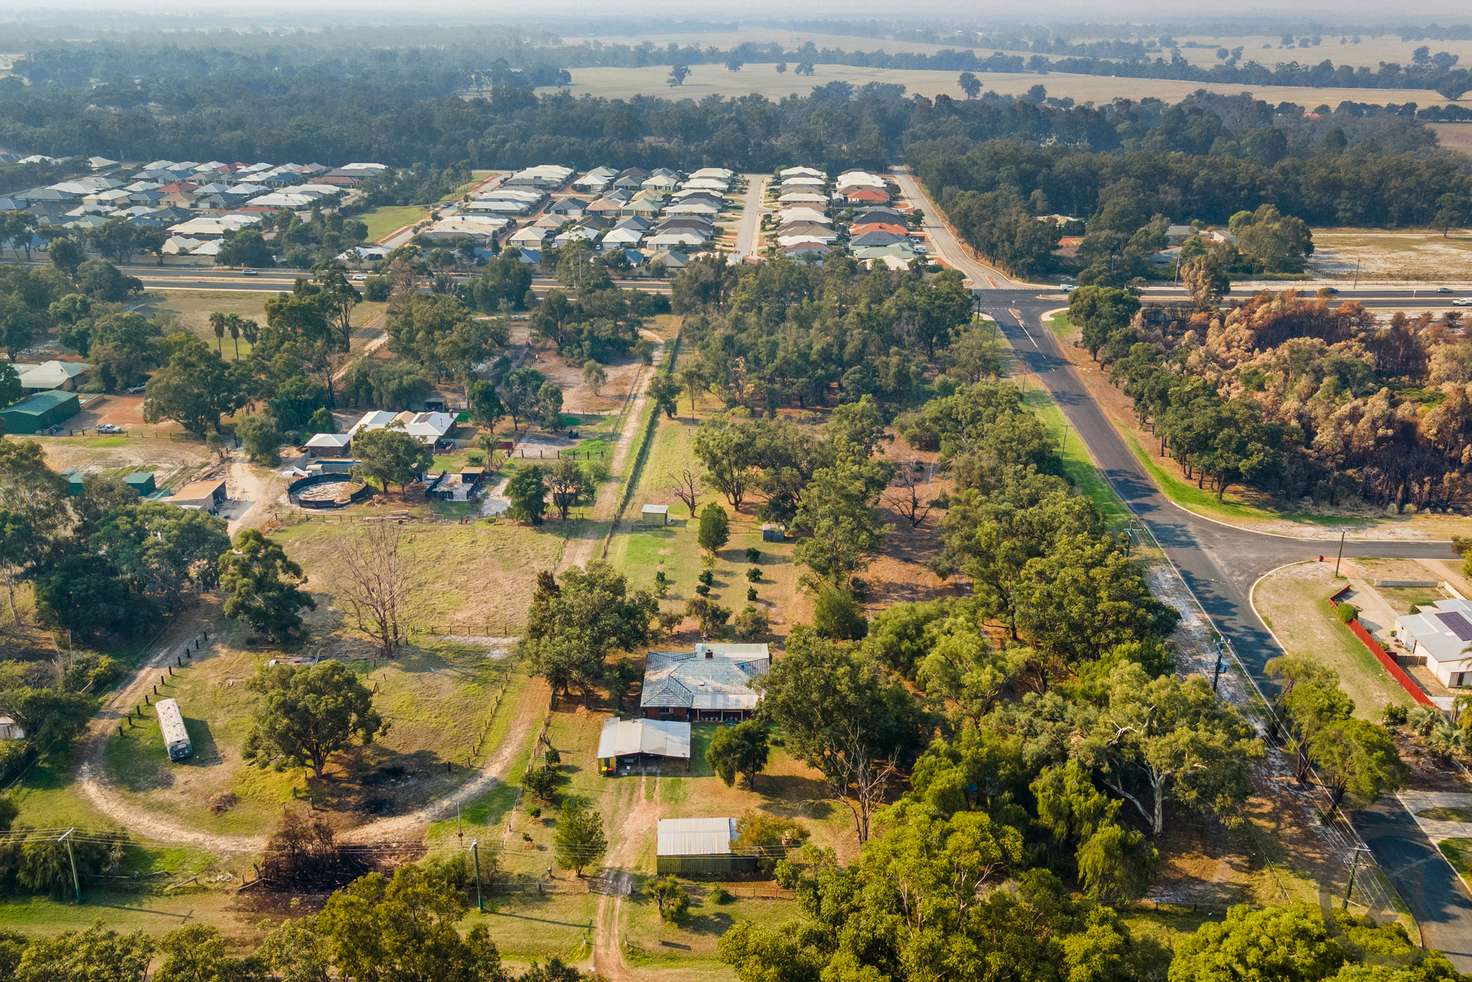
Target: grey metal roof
point(713, 676)
point(694, 836)
point(659, 737)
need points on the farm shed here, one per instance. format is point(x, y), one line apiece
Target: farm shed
point(629, 744)
point(699, 847)
point(11, 730)
point(40, 412)
point(171, 728)
point(655, 514)
point(205, 495)
point(141, 482)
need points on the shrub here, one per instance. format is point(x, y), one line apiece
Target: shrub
point(1347, 612)
point(719, 895)
point(1395, 716)
point(703, 589)
point(754, 574)
point(551, 757)
point(753, 555)
point(707, 577)
point(837, 615)
point(751, 594)
point(751, 624)
point(673, 901)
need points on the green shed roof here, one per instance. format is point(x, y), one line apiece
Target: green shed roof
point(42, 402)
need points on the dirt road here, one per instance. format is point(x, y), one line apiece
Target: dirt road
point(634, 830)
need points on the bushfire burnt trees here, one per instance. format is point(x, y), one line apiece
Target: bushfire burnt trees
point(575, 622)
point(309, 713)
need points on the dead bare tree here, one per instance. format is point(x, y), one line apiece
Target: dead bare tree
point(375, 580)
point(905, 496)
point(687, 489)
point(855, 777)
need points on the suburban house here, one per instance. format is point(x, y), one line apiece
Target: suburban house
point(789, 172)
point(1441, 633)
point(865, 196)
point(711, 684)
point(693, 847)
point(596, 180)
point(427, 427)
point(802, 214)
point(548, 177)
point(643, 744)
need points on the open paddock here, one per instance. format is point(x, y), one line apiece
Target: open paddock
point(763, 79)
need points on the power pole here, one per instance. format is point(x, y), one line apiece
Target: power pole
point(1216, 675)
point(475, 853)
point(1353, 869)
point(70, 855)
point(1339, 557)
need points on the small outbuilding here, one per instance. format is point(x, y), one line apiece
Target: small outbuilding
point(40, 412)
point(655, 514)
point(643, 744)
point(699, 847)
point(206, 495)
point(10, 729)
point(772, 533)
point(141, 482)
point(328, 444)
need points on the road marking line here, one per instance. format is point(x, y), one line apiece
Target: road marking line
point(1022, 324)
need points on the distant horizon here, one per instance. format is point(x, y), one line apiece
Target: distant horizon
point(1177, 14)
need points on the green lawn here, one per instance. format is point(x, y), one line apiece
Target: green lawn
point(1077, 465)
point(1204, 501)
point(1061, 326)
point(1458, 852)
point(390, 218)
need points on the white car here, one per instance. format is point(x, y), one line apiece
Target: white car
point(359, 277)
point(1462, 302)
point(109, 428)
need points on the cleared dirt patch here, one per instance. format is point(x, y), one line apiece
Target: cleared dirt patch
point(1425, 256)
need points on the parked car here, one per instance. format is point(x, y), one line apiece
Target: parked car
point(109, 428)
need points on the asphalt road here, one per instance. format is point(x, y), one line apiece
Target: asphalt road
point(1220, 563)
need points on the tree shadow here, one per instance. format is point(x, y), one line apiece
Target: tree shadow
point(378, 782)
point(793, 796)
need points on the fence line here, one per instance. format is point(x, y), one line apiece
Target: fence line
point(1384, 657)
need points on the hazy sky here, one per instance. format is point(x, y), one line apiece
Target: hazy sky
point(1365, 10)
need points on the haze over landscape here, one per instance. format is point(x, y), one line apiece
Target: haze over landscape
point(957, 492)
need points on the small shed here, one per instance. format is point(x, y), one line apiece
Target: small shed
point(771, 533)
point(141, 482)
point(207, 495)
point(328, 444)
point(76, 482)
point(10, 729)
point(655, 514)
point(40, 412)
point(699, 847)
point(630, 744)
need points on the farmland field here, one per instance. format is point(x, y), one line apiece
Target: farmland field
point(763, 79)
point(1454, 136)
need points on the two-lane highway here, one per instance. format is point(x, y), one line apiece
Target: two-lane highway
point(1221, 562)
